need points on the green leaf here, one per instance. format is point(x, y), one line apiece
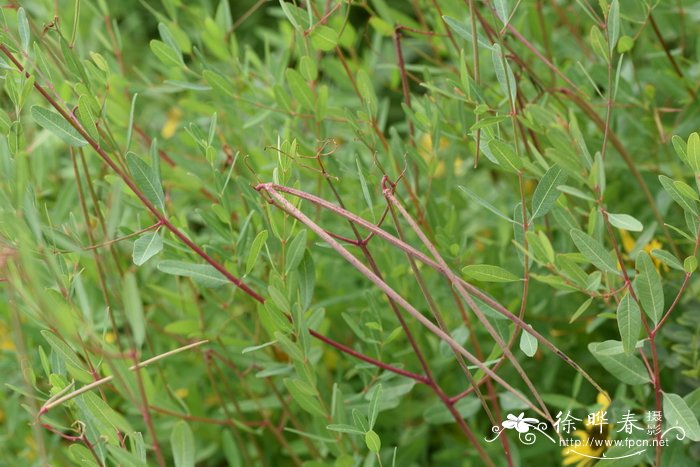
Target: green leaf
point(648, 287)
point(546, 193)
point(690, 264)
point(506, 156)
point(629, 322)
point(68, 356)
point(219, 83)
point(613, 25)
point(627, 368)
point(106, 414)
point(125, 458)
point(23, 26)
point(667, 258)
point(693, 152)
point(594, 251)
point(300, 89)
point(687, 204)
point(86, 118)
point(504, 75)
point(502, 10)
point(182, 445)
point(680, 147)
point(580, 310)
point(489, 273)
point(373, 410)
point(166, 54)
point(625, 44)
point(626, 222)
point(57, 125)
point(133, 308)
point(324, 38)
point(474, 197)
point(295, 253)
point(204, 274)
point(146, 247)
point(255, 249)
point(146, 180)
point(528, 343)
point(300, 392)
point(677, 413)
point(343, 428)
point(372, 440)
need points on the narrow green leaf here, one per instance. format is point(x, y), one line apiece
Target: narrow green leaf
point(182, 445)
point(130, 127)
point(677, 413)
point(502, 10)
point(687, 204)
point(295, 253)
point(648, 287)
point(580, 310)
point(219, 83)
point(489, 273)
point(300, 393)
point(693, 152)
point(57, 125)
point(300, 89)
point(546, 193)
point(363, 184)
point(528, 343)
point(166, 54)
point(68, 356)
point(23, 25)
point(204, 274)
point(667, 258)
point(613, 25)
point(255, 249)
point(594, 251)
point(373, 410)
point(324, 38)
point(474, 197)
point(629, 322)
point(146, 247)
point(343, 428)
point(133, 308)
point(146, 180)
point(626, 222)
point(504, 74)
point(106, 414)
point(125, 458)
point(627, 368)
point(86, 118)
point(373, 442)
point(506, 156)
point(680, 147)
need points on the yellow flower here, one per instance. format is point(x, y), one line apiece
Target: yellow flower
point(425, 149)
point(628, 244)
point(182, 393)
point(6, 338)
point(592, 435)
point(174, 116)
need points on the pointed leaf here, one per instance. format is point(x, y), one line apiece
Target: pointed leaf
point(489, 273)
point(594, 251)
point(546, 193)
point(204, 274)
point(627, 368)
point(182, 445)
point(677, 413)
point(146, 180)
point(146, 247)
point(626, 222)
point(648, 287)
point(57, 125)
point(629, 321)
